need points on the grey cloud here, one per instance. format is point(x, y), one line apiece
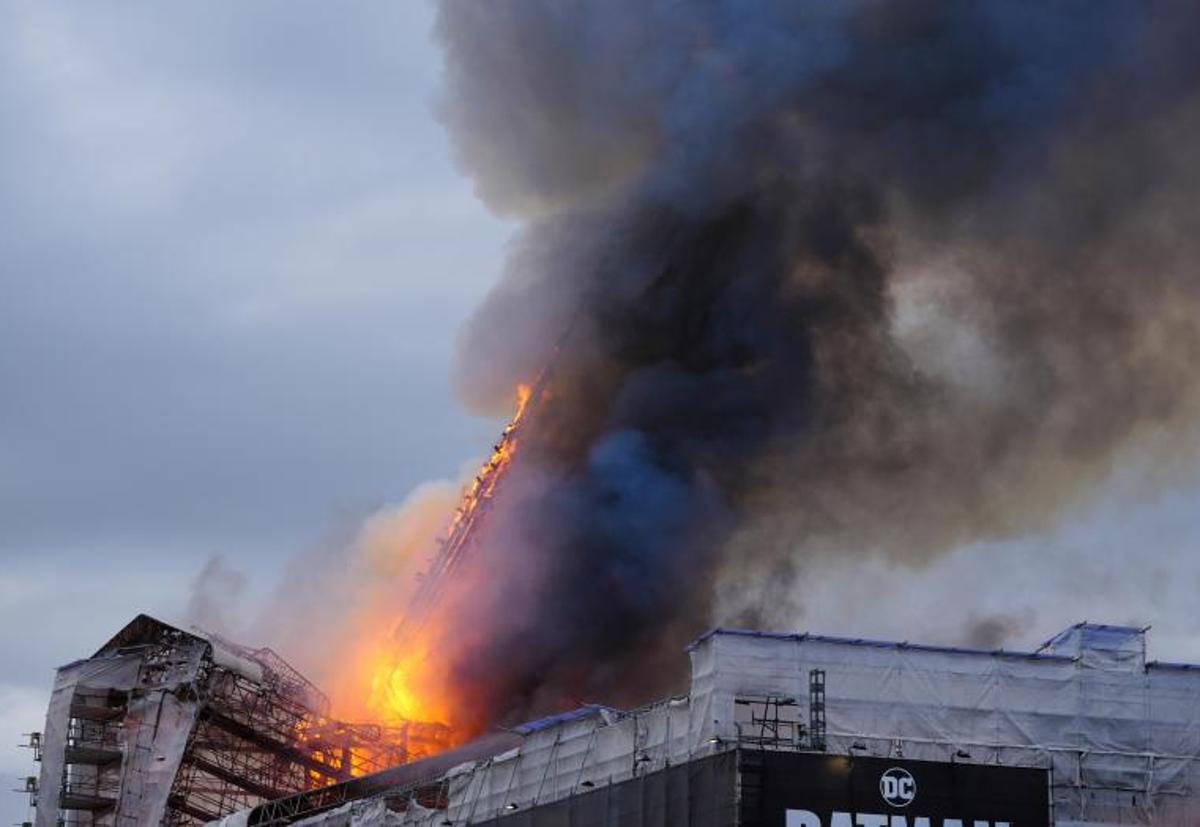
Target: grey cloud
point(234, 255)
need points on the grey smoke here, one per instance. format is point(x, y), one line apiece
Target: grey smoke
point(995, 631)
point(216, 600)
point(812, 279)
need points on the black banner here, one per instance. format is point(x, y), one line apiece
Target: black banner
point(806, 790)
point(699, 793)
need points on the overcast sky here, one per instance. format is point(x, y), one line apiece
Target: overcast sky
point(234, 258)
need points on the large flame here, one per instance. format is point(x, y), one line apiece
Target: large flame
point(490, 473)
point(399, 672)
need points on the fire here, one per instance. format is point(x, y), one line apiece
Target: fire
point(484, 484)
point(403, 671)
point(404, 685)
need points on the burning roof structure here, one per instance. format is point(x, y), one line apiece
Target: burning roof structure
point(390, 683)
point(810, 730)
point(823, 283)
point(836, 280)
point(166, 726)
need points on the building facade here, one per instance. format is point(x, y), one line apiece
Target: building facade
point(815, 731)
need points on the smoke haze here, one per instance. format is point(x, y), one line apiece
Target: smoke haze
point(813, 282)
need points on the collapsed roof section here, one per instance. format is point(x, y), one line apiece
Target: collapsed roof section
point(165, 726)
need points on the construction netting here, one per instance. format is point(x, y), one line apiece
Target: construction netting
point(114, 737)
point(700, 793)
point(1120, 737)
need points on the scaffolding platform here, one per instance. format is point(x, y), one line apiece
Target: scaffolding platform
point(174, 727)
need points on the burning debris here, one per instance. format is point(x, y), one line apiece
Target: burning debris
point(834, 279)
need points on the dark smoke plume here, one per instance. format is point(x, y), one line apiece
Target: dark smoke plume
point(812, 278)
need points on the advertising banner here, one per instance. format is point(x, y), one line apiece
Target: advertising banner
point(808, 790)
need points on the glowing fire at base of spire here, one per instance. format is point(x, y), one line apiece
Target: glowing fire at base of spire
point(404, 673)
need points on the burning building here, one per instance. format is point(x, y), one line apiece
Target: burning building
point(166, 726)
point(801, 730)
point(824, 281)
point(815, 283)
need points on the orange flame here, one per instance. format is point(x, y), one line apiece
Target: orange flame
point(400, 673)
point(484, 484)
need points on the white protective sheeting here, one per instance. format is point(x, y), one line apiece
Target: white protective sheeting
point(239, 819)
point(239, 665)
point(54, 739)
point(1120, 736)
point(586, 749)
point(150, 735)
point(159, 725)
point(372, 812)
point(84, 677)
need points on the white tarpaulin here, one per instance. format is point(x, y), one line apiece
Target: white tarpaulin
point(1121, 737)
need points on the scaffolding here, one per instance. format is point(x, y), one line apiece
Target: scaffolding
point(180, 728)
point(816, 709)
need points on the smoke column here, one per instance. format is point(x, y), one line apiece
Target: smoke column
point(812, 279)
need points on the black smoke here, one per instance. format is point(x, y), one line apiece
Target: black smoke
point(811, 278)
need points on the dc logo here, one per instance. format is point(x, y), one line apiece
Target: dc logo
point(897, 787)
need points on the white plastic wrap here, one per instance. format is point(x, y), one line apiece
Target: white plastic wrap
point(151, 737)
point(1121, 737)
point(88, 675)
point(158, 725)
